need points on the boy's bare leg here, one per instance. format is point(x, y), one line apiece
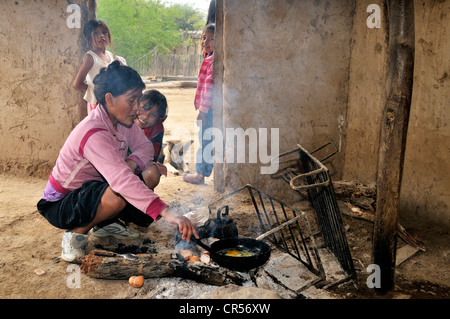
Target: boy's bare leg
point(151, 176)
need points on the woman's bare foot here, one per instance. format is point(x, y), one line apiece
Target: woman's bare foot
point(194, 178)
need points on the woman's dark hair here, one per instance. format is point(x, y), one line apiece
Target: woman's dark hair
point(116, 79)
point(90, 27)
point(152, 97)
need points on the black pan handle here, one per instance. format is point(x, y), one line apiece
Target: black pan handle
point(201, 244)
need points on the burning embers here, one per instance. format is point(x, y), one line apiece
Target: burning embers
point(282, 257)
point(220, 227)
point(259, 216)
point(209, 230)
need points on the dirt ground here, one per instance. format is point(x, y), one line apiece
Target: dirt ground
point(30, 244)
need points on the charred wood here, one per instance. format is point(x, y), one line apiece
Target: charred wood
point(157, 265)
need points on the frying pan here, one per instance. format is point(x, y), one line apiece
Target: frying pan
point(260, 250)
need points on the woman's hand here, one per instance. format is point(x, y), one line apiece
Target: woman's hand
point(183, 224)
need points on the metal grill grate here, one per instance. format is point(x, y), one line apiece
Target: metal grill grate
point(283, 225)
point(309, 177)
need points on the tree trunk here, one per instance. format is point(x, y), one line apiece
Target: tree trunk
point(393, 138)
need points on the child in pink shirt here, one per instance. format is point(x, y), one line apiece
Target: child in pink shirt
point(105, 167)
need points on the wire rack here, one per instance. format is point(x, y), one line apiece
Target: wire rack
point(311, 178)
point(284, 226)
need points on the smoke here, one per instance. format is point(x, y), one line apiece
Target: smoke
point(235, 146)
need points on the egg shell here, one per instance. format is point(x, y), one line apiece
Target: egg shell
point(39, 271)
point(194, 259)
point(205, 258)
point(187, 254)
point(136, 281)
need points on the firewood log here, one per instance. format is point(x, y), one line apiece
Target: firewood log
point(206, 273)
point(148, 265)
point(158, 265)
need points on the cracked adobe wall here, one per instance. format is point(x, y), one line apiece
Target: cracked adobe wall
point(39, 57)
point(316, 71)
point(285, 66)
point(425, 189)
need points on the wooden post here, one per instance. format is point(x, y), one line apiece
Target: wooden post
point(219, 177)
point(393, 138)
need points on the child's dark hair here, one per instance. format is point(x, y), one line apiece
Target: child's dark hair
point(90, 27)
point(116, 79)
point(152, 97)
point(210, 27)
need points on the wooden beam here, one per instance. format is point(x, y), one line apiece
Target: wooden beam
point(219, 177)
point(393, 138)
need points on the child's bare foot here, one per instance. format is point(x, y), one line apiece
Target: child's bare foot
point(194, 178)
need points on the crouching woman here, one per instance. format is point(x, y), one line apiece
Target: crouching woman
point(105, 167)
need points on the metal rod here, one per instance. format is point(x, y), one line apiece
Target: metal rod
point(330, 155)
point(316, 172)
point(278, 222)
point(278, 228)
point(292, 234)
point(256, 209)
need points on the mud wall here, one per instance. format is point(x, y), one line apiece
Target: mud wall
point(39, 57)
point(366, 94)
point(285, 67)
point(426, 178)
point(317, 71)
point(425, 188)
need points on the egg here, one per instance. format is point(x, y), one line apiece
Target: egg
point(187, 254)
point(136, 281)
point(233, 253)
point(194, 259)
point(205, 258)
